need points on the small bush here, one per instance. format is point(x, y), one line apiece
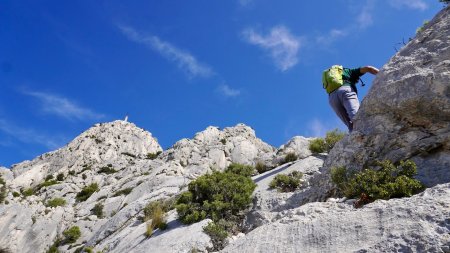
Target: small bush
point(317, 145)
point(290, 157)
point(15, 194)
point(56, 202)
point(54, 248)
point(107, 169)
point(3, 190)
point(261, 167)
point(98, 210)
point(72, 172)
point(218, 235)
point(320, 145)
point(89, 250)
point(240, 169)
point(390, 181)
point(149, 209)
point(158, 220)
point(223, 141)
point(46, 184)
point(219, 195)
point(155, 211)
point(86, 192)
point(28, 192)
point(71, 235)
point(420, 29)
point(60, 177)
point(125, 191)
point(287, 183)
point(49, 177)
point(153, 156)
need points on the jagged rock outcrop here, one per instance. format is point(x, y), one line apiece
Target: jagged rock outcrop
point(131, 170)
point(406, 114)
point(417, 224)
point(269, 204)
point(216, 149)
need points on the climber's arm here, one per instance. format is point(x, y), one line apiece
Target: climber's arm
point(369, 69)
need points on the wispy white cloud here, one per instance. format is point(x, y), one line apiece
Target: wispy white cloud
point(410, 4)
point(226, 91)
point(185, 61)
point(62, 107)
point(365, 16)
point(282, 46)
point(28, 135)
point(331, 36)
point(317, 128)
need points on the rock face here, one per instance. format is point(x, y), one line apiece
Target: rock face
point(131, 170)
point(417, 224)
point(406, 114)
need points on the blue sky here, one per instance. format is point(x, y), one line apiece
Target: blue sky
point(177, 67)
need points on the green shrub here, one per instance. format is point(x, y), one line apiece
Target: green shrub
point(240, 169)
point(125, 191)
point(287, 183)
point(71, 235)
point(107, 169)
point(389, 181)
point(15, 194)
point(219, 195)
point(333, 137)
point(317, 145)
point(48, 178)
point(153, 156)
point(218, 235)
point(158, 219)
point(420, 29)
point(261, 167)
point(46, 184)
point(290, 157)
point(155, 211)
point(149, 209)
point(320, 145)
point(89, 250)
point(28, 192)
point(72, 172)
point(98, 210)
point(54, 248)
point(56, 202)
point(3, 189)
point(60, 177)
point(86, 192)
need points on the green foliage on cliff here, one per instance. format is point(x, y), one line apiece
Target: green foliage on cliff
point(286, 183)
point(320, 145)
point(385, 182)
point(219, 195)
point(86, 192)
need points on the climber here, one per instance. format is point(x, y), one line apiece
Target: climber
point(340, 84)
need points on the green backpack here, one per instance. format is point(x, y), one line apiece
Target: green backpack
point(332, 78)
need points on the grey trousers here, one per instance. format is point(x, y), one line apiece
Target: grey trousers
point(345, 104)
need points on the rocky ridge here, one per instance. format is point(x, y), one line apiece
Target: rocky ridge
point(404, 116)
point(131, 170)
